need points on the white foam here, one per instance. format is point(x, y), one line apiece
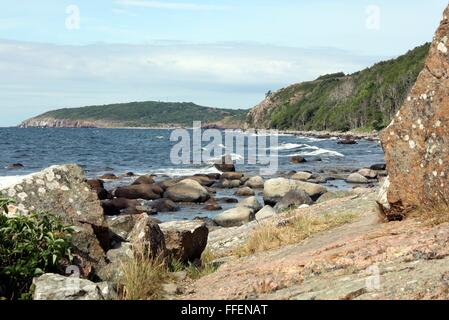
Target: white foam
point(234, 156)
point(318, 152)
point(288, 146)
point(172, 172)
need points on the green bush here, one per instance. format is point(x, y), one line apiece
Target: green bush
point(29, 246)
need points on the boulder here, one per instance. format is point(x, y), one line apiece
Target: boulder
point(148, 236)
point(265, 212)
point(109, 176)
point(382, 197)
point(356, 178)
point(203, 180)
point(139, 191)
point(379, 167)
point(52, 286)
point(256, 182)
point(368, 173)
point(293, 199)
point(251, 203)
point(168, 183)
point(334, 195)
point(416, 143)
point(227, 200)
point(164, 205)
point(187, 191)
point(245, 192)
point(276, 189)
point(97, 185)
point(302, 176)
point(235, 217)
point(185, 240)
point(144, 180)
point(122, 225)
point(225, 164)
point(117, 256)
point(232, 175)
point(212, 205)
point(62, 191)
point(118, 206)
point(15, 166)
point(297, 159)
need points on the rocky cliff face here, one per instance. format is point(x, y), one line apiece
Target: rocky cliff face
point(417, 141)
point(49, 122)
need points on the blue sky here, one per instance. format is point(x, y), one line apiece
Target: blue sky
point(224, 53)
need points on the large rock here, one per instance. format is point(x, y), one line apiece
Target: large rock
point(139, 191)
point(56, 287)
point(225, 164)
point(62, 191)
point(250, 202)
point(185, 240)
point(119, 206)
point(276, 189)
point(98, 186)
point(416, 143)
point(235, 217)
point(293, 199)
point(144, 180)
point(302, 176)
point(256, 182)
point(368, 173)
point(164, 205)
point(265, 212)
point(147, 236)
point(245, 192)
point(356, 178)
point(187, 191)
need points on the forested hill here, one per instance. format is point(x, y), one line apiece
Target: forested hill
point(138, 114)
point(364, 100)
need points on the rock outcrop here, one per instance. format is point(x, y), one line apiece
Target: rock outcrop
point(416, 143)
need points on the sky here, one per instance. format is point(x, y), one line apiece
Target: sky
point(220, 53)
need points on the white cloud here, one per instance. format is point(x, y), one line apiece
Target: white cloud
point(169, 5)
point(37, 77)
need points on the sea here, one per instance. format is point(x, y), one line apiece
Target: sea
point(147, 151)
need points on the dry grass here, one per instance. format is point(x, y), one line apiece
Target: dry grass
point(432, 215)
point(270, 236)
point(143, 277)
point(196, 271)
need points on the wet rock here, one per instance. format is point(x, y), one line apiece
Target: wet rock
point(109, 176)
point(212, 205)
point(144, 180)
point(368, 173)
point(232, 175)
point(265, 212)
point(187, 191)
point(302, 176)
point(256, 182)
point(129, 174)
point(203, 180)
point(297, 159)
point(356, 178)
point(276, 189)
point(293, 199)
point(15, 166)
point(416, 143)
point(227, 200)
point(235, 217)
point(98, 186)
point(347, 140)
point(185, 240)
point(164, 205)
point(56, 287)
point(140, 191)
point(251, 203)
point(225, 164)
point(119, 206)
point(148, 235)
point(379, 167)
point(245, 192)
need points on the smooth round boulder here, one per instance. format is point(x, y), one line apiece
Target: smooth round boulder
point(144, 180)
point(212, 205)
point(368, 173)
point(250, 202)
point(245, 192)
point(293, 199)
point(276, 189)
point(139, 191)
point(265, 212)
point(357, 178)
point(302, 176)
point(235, 217)
point(225, 164)
point(117, 206)
point(203, 180)
point(164, 205)
point(232, 175)
point(256, 182)
point(187, 190)
point(109, 176)
point(297, 159)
